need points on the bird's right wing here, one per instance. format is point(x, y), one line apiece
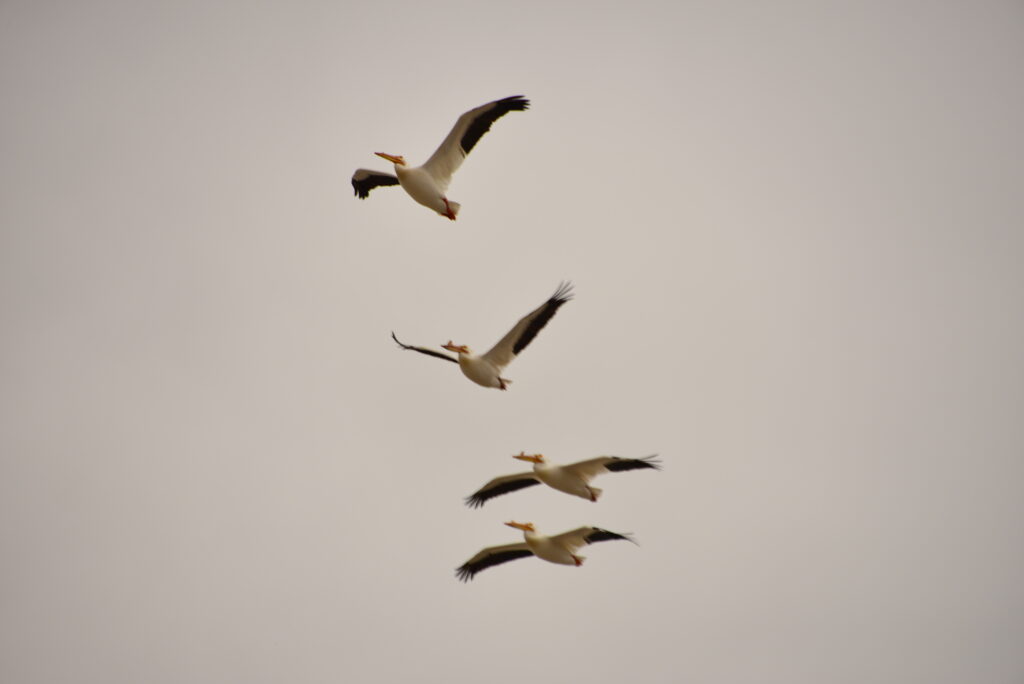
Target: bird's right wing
point(501, 485)
point(574, 539)
point(491, 556)
point(365, 180)
point(467, 131)
point(424, 350)
point(615, 464)
point(516, 339)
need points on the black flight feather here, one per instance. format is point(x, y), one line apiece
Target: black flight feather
point(364, 180)
point(621, 464)
point(599, 535)
point(478, 499)
point(482, 123)
point(466, 571)
point(423, 350)
point(561, 296)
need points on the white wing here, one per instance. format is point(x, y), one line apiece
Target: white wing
point(468, 130)
point(516, 339)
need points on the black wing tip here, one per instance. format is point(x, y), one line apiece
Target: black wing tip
point(359, 191)
point(464, 573)
point(514, 103)
point(564, 292)
point(652, 462)
point(365, 180)
point(478, 499)
point(607, 535)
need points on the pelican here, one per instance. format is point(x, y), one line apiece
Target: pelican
point(428, 184)
point(572, 479)
point(559, 548)
point(486, 369)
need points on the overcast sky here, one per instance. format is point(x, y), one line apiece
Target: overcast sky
point(795, 231)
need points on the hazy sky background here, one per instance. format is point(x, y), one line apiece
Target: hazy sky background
point(795, 230)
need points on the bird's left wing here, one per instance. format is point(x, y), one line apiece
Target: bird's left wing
point(501, 485)
point(365, 180)
point(491, 556)
point(516, 339)
point(467, 131)
point(574, 539)
point(424, 350)
point(615, 464)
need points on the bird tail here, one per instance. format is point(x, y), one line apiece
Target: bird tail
point(595, 493)
point(455, 206)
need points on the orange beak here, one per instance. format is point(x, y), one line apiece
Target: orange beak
point(532, 458)
point(525, 527)
point(393, 158)
point(457, 348)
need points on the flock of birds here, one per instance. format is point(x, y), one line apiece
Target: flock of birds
point(428, 184)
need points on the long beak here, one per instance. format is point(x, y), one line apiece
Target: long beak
point(390, 157)
point(525, 527)
point(532, 458)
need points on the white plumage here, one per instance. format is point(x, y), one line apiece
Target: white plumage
point(428, 184)
point(486, 369)
point(559, 548)
point(573, 478)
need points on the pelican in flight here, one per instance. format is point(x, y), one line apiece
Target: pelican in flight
point(428, 184)
point(486, 369)
point(572, 479)
point(559, 548)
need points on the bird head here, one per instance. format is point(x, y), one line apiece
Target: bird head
point(532, 458)
point(525, 527)
point(457, 348)
point(393, 158)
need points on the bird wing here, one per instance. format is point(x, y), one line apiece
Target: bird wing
point(501, 485)
point(365, 180)
point(424, 350)
point(516, 339)
point(492, 555)
point(603, 464)
point(468, 130)
point(574, 539)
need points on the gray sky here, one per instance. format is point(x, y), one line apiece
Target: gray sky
point(795, 234)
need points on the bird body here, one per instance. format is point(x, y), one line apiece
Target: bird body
point(566, 480)
point(552, 550)
point(573, 478)
point(428, 184)
point(480, 370)
point(424, 188)
point(560, 548)
point(485, 369)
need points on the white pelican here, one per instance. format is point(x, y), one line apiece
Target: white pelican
point(486, 369)
point(559, 548)
point(428, 184)
point(572, 479)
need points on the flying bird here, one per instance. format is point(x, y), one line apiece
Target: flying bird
point(572, 479)
point(559, 548)
point(486, 369)
point(428, 184)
